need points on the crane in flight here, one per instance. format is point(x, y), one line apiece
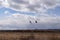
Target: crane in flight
point(30, 21)
point(35, 21)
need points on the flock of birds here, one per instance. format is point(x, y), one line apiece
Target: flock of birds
point(31, 22)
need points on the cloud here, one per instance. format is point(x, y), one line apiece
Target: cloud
point(39, 6)
point(21, 21)
point(4, 3)
point(14, 21)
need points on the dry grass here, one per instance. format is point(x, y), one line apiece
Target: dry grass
point(29, 36)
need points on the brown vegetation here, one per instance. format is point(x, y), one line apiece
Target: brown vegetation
point(32, 35)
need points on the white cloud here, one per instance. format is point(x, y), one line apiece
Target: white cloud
point(15, 21)
point(39, 6)
point(21, 21)
point(4, 3)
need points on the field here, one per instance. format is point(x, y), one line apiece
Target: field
point(29, 35)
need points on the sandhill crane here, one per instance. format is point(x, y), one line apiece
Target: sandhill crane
point(35, 21)
point(30, 22)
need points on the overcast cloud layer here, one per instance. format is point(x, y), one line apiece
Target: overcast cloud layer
point(21, 21)
point(30, 5)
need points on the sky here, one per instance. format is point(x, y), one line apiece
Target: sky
point(17, 14)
